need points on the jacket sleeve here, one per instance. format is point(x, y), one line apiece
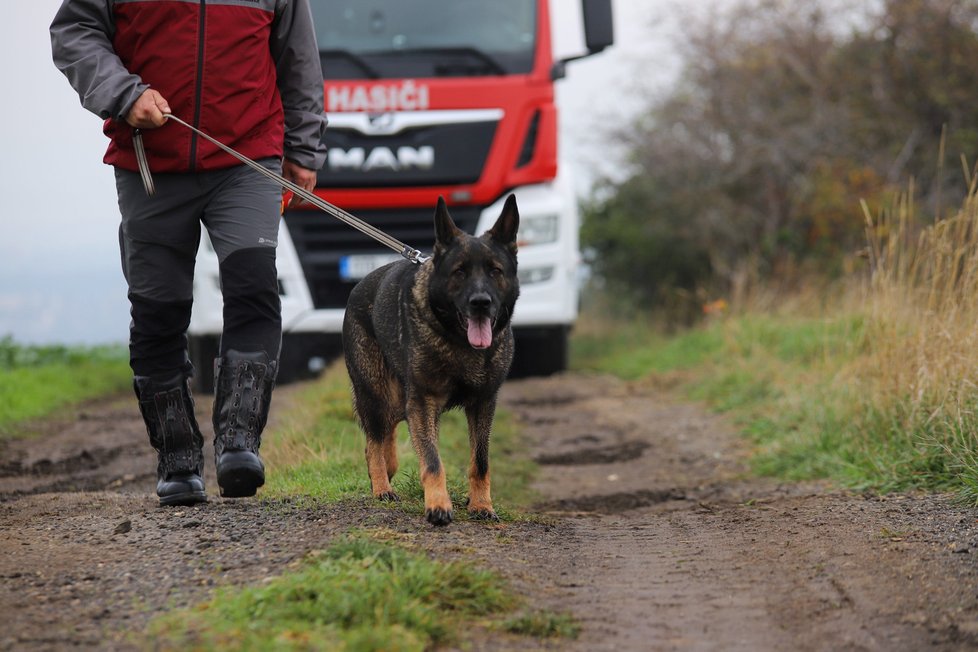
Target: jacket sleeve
point(300, 83)
point(81, 44)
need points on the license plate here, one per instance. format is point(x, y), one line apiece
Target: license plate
point(354, 268)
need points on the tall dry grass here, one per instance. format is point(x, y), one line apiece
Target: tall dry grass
point(920, 366)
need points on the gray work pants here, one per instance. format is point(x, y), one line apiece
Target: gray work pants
point(159, 237)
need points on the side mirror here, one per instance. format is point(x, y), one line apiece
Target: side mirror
point(599, 33)
point(599, 29)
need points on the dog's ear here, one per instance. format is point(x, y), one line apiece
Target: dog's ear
point(505, 229)
point(445, 230)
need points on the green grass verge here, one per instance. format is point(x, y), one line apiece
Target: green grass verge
point(784, 381)
point(36, 381)
point(631, 351)
point(359, 594)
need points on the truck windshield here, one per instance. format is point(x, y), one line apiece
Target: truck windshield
point(424, 38)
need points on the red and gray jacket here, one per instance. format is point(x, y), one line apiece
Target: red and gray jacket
point(247, 72)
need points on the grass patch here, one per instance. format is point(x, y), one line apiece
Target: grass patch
point(318, 453)
point(359, 594)
point(633, 350)
point(543, 624)
point(798, 388)
point(36, 381)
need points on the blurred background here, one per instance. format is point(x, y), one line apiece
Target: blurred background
point(715, 148)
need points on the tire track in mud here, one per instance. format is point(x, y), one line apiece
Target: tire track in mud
point(671, 545)
point(101, 447)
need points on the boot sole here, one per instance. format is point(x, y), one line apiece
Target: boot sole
point(240, 476)
point(184, 499)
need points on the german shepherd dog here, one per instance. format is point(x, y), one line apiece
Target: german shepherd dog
point(422, 339)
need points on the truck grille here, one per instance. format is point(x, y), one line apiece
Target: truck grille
point(438, 155)
point(320, 241)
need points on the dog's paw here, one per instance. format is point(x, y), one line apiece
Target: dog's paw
point(387, 496)
point(438, 516)
point(485, 514)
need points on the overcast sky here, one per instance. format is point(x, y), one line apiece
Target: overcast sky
point(60, 280)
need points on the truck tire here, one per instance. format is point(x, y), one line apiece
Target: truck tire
point(541, 351)
point(202, 350)
point(305, 355)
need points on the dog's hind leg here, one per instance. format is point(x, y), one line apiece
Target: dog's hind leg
point(377, 400)
point(379, 467)
point(390, 453)
point(480, 424)
point(422, 418)
point(378, 419)
point(380, 424)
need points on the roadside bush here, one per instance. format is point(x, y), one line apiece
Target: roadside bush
point(645, 248)
point(785, 115)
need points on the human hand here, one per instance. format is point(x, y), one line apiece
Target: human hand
point(147, 112)
point(300, 176)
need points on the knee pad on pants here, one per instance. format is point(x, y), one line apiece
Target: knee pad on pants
point(158, 337)
point(252, 306)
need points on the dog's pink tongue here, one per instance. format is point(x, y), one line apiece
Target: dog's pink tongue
point(480, 332)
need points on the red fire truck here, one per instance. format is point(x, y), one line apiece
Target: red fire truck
point(428, 98)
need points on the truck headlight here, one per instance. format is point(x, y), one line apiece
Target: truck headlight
point(531, 275)
point(538, 229)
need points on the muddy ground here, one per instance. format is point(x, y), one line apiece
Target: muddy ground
point(653, 536)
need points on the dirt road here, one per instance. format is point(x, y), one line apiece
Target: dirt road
point(658, 539)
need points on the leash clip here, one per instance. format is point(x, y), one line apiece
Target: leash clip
point(415, 256)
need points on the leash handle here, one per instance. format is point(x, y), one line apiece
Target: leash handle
point(137, 143)
point(414, 255)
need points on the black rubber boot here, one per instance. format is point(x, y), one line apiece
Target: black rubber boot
point(168, 410)
point(243, 384)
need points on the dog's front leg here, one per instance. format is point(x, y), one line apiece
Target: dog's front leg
point(480, 424)
point(423, 414)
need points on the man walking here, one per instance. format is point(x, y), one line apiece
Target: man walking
point(246, 72)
